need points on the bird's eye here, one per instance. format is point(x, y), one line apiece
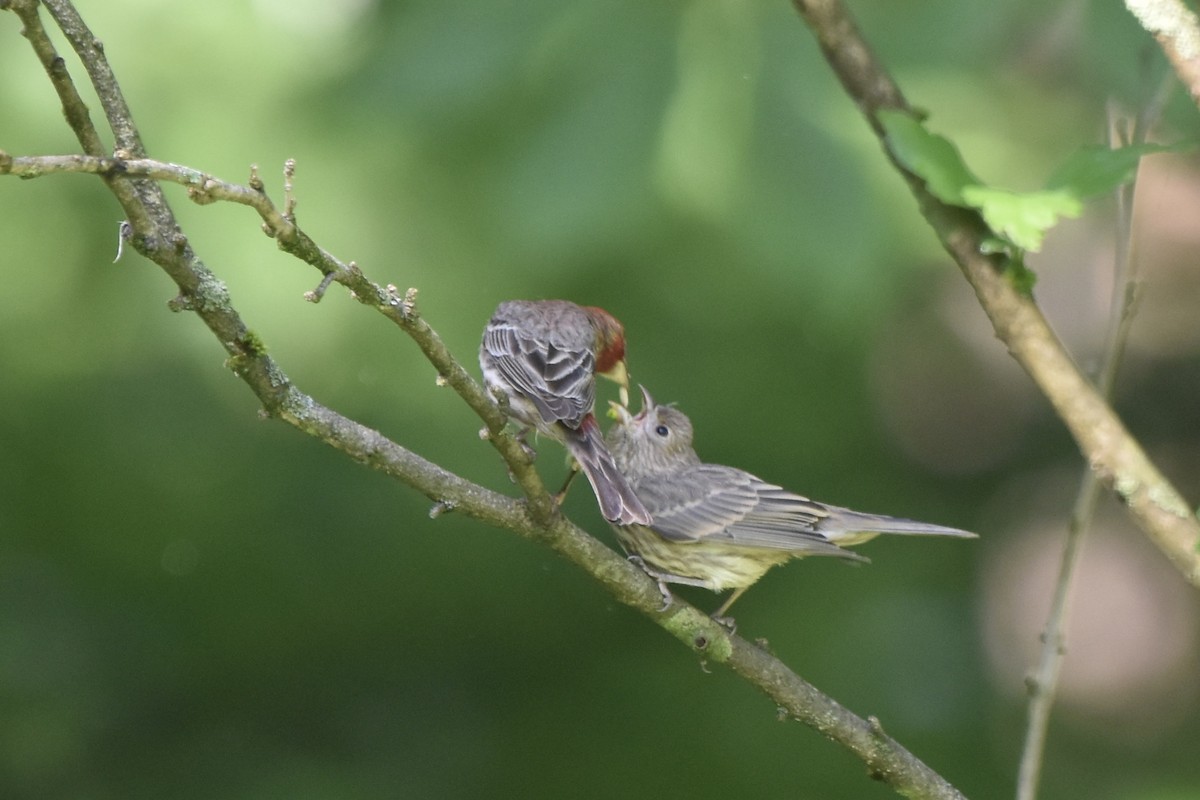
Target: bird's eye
point(662, 430)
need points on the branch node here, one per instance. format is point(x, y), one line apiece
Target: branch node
point(201, 194)
point(407, 305)
point(256, 182)
point(289, 196)
point(441, 507)
point(315, 295)
point(876, 727)
point(180, 302)
point(440, 381)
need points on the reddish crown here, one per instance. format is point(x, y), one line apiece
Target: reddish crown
point(610, 339)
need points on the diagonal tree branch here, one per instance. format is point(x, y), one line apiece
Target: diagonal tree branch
point(134, 181)
point(1113, 454)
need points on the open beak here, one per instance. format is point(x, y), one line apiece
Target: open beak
point(622, 414)
point(647, 400)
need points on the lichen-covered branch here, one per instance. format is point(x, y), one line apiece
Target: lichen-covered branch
point(1115, 456)
point(135, 182)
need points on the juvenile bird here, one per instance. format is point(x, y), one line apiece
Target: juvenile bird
point(720, 527)
point(543, 356)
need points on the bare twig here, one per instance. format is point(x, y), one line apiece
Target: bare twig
point(1113, 454)
point(1043, 681)
point(134, 181)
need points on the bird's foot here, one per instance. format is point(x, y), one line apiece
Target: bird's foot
point(667, 597)
point(526, 447)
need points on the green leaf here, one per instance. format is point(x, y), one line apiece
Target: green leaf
point(933, 158)
point(1022, 217)
point(1096, 170)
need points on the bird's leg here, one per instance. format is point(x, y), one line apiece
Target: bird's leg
point(658, 577)
point(561, 494)
point(503, 403)
point(521, 435)
point(721, 617)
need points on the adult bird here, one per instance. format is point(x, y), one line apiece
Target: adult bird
point(543, 357)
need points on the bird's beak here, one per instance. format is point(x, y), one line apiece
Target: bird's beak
point(647, 400)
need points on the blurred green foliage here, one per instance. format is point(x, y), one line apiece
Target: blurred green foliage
point(198, 604)
point(1021, 218)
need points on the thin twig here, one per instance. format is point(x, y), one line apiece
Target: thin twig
point(1043, 681)
point(1113, 454)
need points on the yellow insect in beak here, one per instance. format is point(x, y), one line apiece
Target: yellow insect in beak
point(618, 412)
point(620, 374)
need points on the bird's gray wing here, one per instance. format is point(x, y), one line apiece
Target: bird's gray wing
point(718, 503)
point(559, 381)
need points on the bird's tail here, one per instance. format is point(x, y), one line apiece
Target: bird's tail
point(847, 528)
point(618, 503)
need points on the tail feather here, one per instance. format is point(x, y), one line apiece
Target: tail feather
point(618, 502)
point(847, 528)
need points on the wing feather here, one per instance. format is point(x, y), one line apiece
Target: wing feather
point(558, 381)
point(716, 503)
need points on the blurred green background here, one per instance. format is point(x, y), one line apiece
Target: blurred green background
point(195, 603)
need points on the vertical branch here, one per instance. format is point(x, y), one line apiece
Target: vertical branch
point(1043, 681)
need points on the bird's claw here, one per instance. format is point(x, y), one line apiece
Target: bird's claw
point(667, 597)
point(726, 622)
point(520, 437)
